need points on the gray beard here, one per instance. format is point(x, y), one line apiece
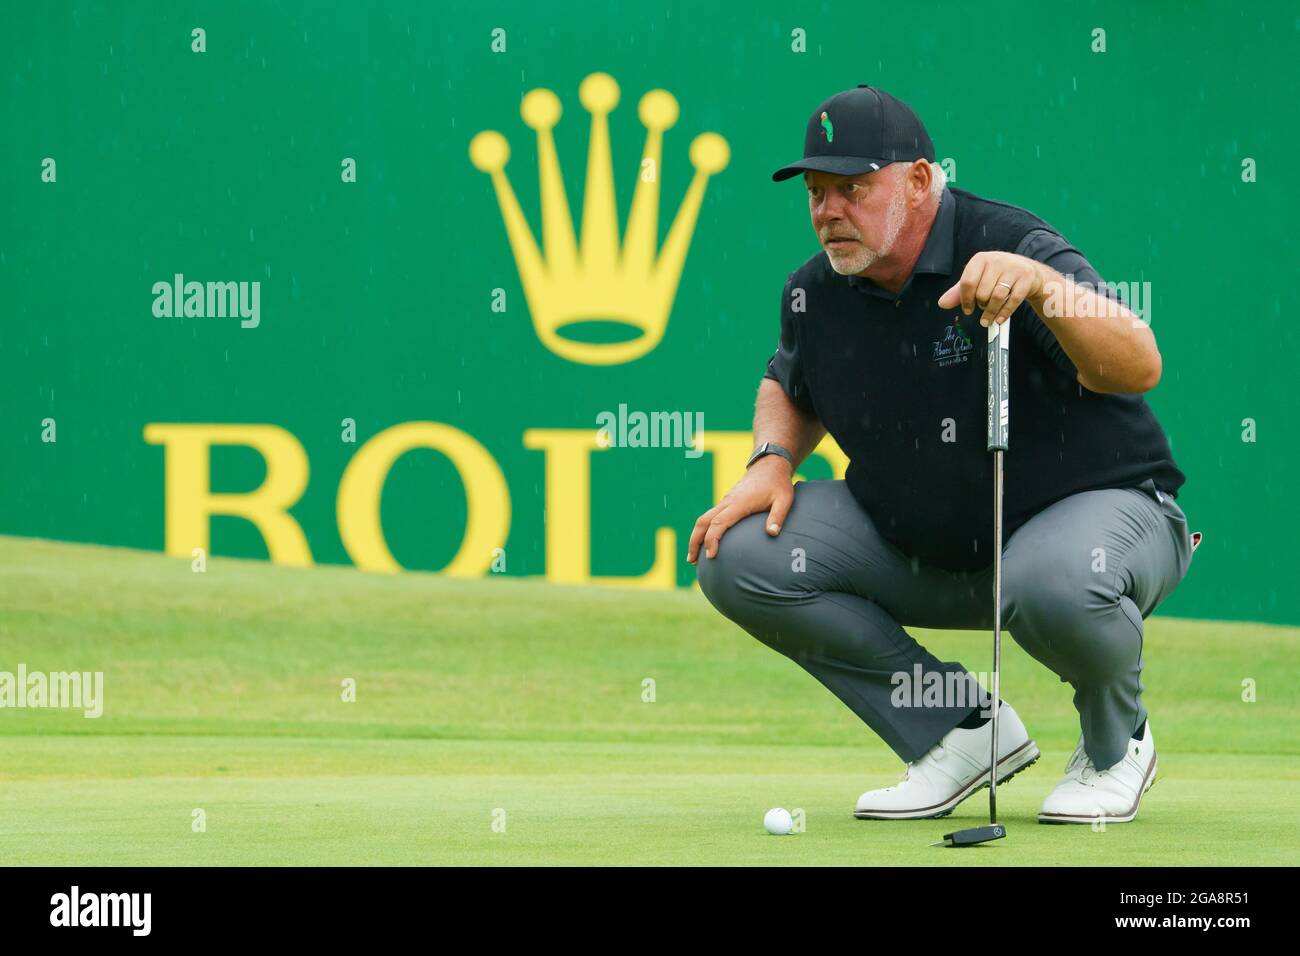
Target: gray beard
point(852, 265)
point(864, 258)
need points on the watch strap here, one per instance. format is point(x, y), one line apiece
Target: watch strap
point(770, 448)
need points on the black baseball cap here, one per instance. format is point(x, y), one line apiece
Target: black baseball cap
point(859, 131)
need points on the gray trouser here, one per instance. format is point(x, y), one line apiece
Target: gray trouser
point(1077, 581)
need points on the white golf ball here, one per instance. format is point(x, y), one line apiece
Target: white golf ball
point(778, 821)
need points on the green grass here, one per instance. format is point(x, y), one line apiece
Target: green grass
point(222, 692)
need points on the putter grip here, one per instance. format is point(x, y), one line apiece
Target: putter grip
point(999, 351)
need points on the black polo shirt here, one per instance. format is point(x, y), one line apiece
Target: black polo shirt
point(902, 385)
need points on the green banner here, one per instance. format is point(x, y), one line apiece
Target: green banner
point(489, 289)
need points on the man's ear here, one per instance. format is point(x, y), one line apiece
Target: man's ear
point(919, 178)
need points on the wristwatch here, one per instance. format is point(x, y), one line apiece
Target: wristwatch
point(770, 448)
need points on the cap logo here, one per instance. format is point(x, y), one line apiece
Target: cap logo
point(826, 125)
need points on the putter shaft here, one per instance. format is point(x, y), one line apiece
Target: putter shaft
point(997, 627)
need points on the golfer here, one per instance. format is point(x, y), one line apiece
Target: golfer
point(883, 345)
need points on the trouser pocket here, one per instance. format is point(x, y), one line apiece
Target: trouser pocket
point(1178, 526)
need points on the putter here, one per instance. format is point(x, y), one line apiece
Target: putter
point(999, 351)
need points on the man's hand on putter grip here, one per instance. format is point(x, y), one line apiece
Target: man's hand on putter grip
point(997, 282)
point(767, 486)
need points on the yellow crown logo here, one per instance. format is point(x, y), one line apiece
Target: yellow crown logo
point(599, 281)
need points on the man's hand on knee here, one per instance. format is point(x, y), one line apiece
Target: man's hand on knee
point(767, 486)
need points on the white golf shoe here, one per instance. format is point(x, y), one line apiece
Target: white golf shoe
point(951, 771)
point(1088, 795)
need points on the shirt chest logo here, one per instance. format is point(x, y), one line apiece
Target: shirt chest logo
point(954, 347)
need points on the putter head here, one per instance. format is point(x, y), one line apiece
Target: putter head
point(975, 835)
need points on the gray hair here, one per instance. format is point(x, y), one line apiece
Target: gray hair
point(938, 177)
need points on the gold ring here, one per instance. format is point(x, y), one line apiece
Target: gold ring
point(1003, 282)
